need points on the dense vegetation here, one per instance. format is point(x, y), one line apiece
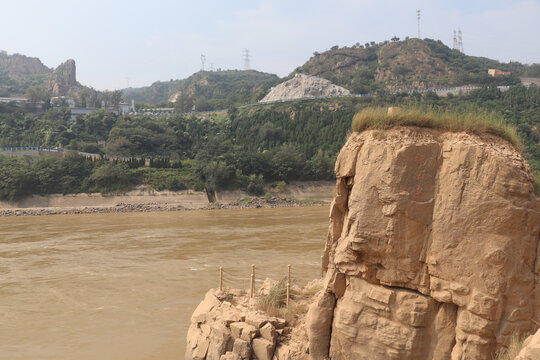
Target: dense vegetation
point(244, 148)
point(207, 90)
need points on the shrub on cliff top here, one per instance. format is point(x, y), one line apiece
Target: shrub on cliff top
point(479, 123)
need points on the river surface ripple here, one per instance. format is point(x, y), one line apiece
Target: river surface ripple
point(123, 286)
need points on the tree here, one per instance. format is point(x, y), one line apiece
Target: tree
point(116, 97)
point(38, 93)
point(183, 103)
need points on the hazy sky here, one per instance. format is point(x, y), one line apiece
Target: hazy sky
point(115, 41)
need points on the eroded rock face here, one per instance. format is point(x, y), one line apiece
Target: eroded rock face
point(431, 251)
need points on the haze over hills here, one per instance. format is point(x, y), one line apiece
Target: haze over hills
point(386, 66)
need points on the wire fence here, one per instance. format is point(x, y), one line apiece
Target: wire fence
point(252, 280)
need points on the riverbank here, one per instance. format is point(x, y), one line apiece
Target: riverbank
point(145, 200)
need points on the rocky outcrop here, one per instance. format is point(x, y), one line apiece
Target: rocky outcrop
point(228, 325)
point(432, 249)
point(19, 66)
point(302, 86)
point(63, 78)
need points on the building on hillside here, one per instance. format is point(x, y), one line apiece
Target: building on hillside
point(157, 111)
point(528, 81)
point(497, 72)
point(16, 99)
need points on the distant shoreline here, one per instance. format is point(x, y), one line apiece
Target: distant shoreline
point(311, 193)
point(255, 203)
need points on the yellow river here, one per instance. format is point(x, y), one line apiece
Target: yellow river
point(123, 286)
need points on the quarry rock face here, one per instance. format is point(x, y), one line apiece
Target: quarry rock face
point(432, 249)
point(302, 86)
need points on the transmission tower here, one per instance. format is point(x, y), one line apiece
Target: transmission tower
point(418, 18)
point(460, 41)
point(203, 60)
point(246, 59)
point(455, 47)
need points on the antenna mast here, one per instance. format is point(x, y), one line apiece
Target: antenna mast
point(246, 59)
point(418, 18)
point(203, 60)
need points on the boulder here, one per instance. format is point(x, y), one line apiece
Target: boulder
point(263, 349)
point(242, 348)
point(268, 332)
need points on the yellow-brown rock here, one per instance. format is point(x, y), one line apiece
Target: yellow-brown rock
point(431, 251)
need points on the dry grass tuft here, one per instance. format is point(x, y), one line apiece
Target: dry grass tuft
point(478, 122)
point(275, 300)
point(515, 346)
point(274, 304)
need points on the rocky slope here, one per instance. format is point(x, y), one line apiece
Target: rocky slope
point(431, 251)
point(302, 86)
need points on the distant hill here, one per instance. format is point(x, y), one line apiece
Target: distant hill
point(18, 73)
point(409, 64)
point(207, 89)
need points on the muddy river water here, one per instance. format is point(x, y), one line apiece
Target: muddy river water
point(123, 286)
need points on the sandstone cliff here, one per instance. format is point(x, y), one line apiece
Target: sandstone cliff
point(301, 86)
point(431, 251)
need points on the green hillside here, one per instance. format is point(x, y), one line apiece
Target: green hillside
point(408, 64)
point(207, 90)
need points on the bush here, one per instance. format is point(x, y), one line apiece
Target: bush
point(255, 185)
point(110, 177)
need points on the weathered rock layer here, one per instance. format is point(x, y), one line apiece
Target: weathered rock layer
point(431, 251)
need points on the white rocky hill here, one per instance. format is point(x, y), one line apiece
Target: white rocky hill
point(302, 86)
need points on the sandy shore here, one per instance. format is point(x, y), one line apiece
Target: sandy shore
point(144, 200)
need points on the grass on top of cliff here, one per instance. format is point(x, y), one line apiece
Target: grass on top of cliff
point(478, 123)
